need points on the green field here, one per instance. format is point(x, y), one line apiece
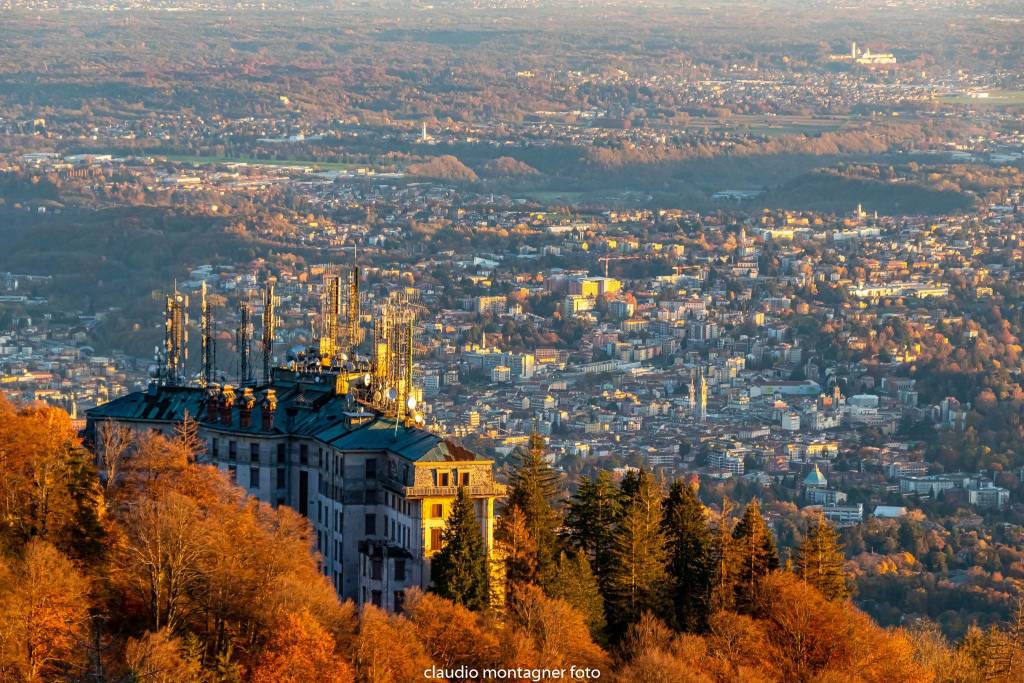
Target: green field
point(550, 197)
point(209, 161)
point(996, 98)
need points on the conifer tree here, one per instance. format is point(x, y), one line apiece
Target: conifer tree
point(459, 570)
point(533, 488)
point(756, 554)
point(591, 518)
point(723, 587)
point(519, 550)
point(637, 574)
point(690, 557)
point(574, 582)
point(819, 561)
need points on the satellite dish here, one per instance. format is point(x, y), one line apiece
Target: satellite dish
point(410, 403)
point(377, 397)
point(392, 394)
point(419, 419)
point(343, 357)
point(366, 379)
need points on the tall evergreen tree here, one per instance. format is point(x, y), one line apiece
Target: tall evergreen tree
point(756, 554)
point(690, 557)
point(819, 561)
point(533, 488)
point(723, 585)
point(637, 574)
point(575, 583)
point(591, 518)
point(459, 570)
point(518, 549)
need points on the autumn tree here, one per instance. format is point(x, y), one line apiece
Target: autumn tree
point(819, 561)
point(516, 546)
point(386, 649)
point(300, 649)
point(459, 570)
point(44, 603)
point(50, 487)
point(161, 657)
point(691, 557)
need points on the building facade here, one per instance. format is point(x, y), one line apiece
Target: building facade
point(377, 490)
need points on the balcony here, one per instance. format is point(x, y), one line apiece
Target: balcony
point(477, 491)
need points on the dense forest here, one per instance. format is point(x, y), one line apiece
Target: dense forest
point(150, 567)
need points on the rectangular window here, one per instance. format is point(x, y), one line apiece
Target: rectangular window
point(280, 478)
point(280, 454)
point(399, 601)
point(437, 510)
point(465, 478)
point(215, 447)
point(375, 598)
point(399, 570)
point(435, 539)
point(233, 473)
point(303, 454)
point(371, 497)
point(371, 525)
point(377, 569)
point(444, 479)
point(254, 477)
point(232, 450)
point(254, 452)
point(371, 469)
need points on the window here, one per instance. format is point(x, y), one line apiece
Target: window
point(375, 598)
point(399, 570)
point(371, 497)
point(435, 539)
point(233, 473)
point(444, 479)
point(215, 447)
point(304, 454)
point(371, 525)
point(465, 478)
point(437, 510)
point(254, 477)
point(399, 601)
point(254, 452)
point(377, 569)
point(280, 478)
point(371, 469)
point(280, 454)
point(232, 450)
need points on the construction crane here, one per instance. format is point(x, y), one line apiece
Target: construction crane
point(606, 259)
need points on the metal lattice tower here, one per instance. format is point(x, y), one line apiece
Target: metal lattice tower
point(330, 314)
point(209, 344)
point(243, 339)
point(269, 328)
point(175, 338)
point(393, 356)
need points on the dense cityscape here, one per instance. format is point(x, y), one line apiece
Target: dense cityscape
point(512, 341)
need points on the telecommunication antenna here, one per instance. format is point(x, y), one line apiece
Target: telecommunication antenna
point(243, 339)
point(175, 338)
point(209, 344)
point(269, 328)
point(330, 313)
